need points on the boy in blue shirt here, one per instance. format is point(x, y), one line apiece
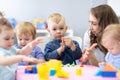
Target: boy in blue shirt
point(61, 47)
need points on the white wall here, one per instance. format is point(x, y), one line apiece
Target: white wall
point(115, 4)
point(76, 12)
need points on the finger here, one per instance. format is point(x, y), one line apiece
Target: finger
point(39, 40)
point(63, 42)
point(66, 38)
point(84, 58)
point(93, 46)
point(83, 52)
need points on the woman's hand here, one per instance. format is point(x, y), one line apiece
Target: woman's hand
point(88, 54)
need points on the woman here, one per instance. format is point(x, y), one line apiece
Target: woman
point(100, 17)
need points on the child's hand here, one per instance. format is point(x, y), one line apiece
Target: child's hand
point(41, 61)
point(84, 56)
point(30, 59)
point(102, 64)
point(61, 48)
point(68, 42)
point(35, 42)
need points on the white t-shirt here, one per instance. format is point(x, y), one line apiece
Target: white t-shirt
point(8, 72)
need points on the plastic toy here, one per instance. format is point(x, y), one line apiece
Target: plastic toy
point(68, 65)
point(52, 72)
point(78, 71)
point(30, 69)
point(62, 73)
point(73, 64)
point(107, 71)
point(118, 74)
point(51, 68)
point(43, 71)
point(12, 22)
point(40, 23)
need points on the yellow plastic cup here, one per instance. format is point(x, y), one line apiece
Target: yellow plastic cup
point(43, 71)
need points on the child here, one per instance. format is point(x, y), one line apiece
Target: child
point(111, 41)
point(61, 48)
point(9, 56)
point(25, 33)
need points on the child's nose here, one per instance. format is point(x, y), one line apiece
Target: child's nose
point(23, 41)
point(58, 31)
point(91, 28)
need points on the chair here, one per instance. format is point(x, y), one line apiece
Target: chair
point(78, 39)
point(46, 39)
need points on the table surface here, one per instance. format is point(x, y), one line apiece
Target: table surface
point(88, 73)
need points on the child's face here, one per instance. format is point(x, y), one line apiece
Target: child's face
point(24, 39)
point(57, 30)
point(112, 45)
point(7, 39)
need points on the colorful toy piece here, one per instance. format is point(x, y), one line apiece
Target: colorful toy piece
point(51, 68)
point(118, 74)
point(43, 71)
point(98, 73)
point(62, 73)
point(54, 64)
point(58, 67)
point(68, 65)
point(30, 69)
point(40, 23)
point(73, 64)
point(107, 71)
point(78, 71)
point(52, 72)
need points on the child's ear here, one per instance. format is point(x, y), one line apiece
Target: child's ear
point(119, 42)
point(48, 29)
point(66, 27)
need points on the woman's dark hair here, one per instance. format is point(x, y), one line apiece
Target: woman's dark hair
point(1, 15)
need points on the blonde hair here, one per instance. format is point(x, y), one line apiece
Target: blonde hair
point(25, 28)
point(5, 25)
point(112, 31)
point(56, 17)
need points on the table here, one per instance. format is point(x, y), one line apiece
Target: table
point(88, 72)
